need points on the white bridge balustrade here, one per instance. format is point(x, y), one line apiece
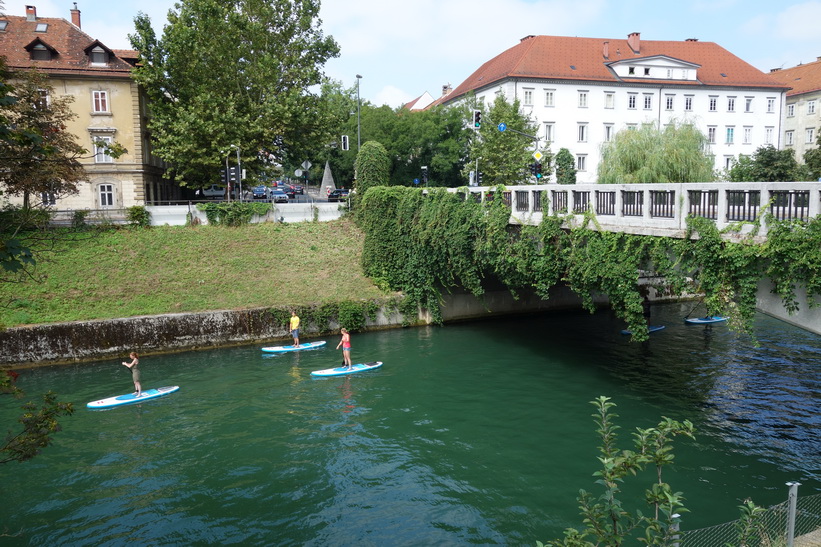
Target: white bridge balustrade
point(661, 209)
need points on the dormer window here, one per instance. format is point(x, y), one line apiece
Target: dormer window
point(3, 25)
point(41, 27)
point(99, 56)
point(40, 53)
point(631, 70)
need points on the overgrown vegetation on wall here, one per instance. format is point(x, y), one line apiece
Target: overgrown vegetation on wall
point(423, 244)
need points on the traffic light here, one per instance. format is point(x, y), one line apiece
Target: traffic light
point(223, 177)
point(533, 169)
point(477, 119)
point(346, 145)
point(479, 178)
point(232, 174)
point(538, 173)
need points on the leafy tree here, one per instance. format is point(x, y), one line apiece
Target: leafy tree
point(38, 424)
point(674, 153)
point(767, 164)
point(503, 156)
point(39, 155)
point(372, 167)
point(565, 167)
point(812, 159)
point(233, 72)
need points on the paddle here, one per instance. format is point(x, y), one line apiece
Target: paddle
point(700, 300)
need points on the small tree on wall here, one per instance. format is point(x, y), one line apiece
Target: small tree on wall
point(372, 167)
point(565, 167)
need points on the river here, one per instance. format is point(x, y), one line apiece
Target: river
point(471, 433)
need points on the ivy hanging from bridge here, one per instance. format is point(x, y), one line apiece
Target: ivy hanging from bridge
point(424, 243)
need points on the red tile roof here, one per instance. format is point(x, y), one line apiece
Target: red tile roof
point(67, 40)
point(582, 59)
point(802, 78)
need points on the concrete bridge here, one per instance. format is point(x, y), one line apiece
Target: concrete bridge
point(662, 210)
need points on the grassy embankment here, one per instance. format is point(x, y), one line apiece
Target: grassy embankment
point(129, 272)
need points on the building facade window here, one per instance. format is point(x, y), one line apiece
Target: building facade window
point(810, 107)
point(688, 103)
point(728, 162)
point(608, 132)
point(99, 56)
point(101, 154)
point(548, 131)
point(770, 104)
point(528, 97)
point(99, 101)
point(730, 136)
point(748, 104)
point(748, 135)
point(43, 99)
point(581, 162)
point(669, 102)
point(40, 53)
point(582, 132)
point(768, 135)
point(790, 110)
point(789, 138)
point(609, 99)
point(582, 99)
point(631, 101)
point(549, 97)
point(106, 194)
point(730, 104)
point(648, 101)
point(810, 135)
point(713, 104)
point(711, 134)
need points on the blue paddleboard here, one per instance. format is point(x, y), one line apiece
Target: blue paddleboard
point(705, 320)
point(651, 328)
point(282, 349)
point(130, 398)
point(342, 371)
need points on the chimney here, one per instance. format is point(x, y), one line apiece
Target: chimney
point(606, 50)
point(634, 41)
point(75, 16)
point(31, 13)
point(446, 89)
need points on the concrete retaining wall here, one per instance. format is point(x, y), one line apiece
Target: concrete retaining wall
point(806, 317)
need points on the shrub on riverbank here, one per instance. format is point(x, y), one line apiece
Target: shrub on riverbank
point(124, 272)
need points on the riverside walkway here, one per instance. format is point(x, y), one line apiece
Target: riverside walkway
point(662, 209)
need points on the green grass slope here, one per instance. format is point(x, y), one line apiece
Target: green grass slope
point(129, 272)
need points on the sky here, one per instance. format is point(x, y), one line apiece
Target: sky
point(404, 49)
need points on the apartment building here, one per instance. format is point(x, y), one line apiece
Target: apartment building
point(802, 113)
point(107, 101)
point(581, 91)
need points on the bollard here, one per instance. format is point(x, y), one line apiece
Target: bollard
point(792, 498)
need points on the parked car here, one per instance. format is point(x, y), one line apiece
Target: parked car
point(287, 188)
point(260, 192)
point(278, 196)
point(213, 191)
point(340, 194)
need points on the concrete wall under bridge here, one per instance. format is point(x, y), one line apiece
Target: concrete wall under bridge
point(178, 215)
point(806, 317)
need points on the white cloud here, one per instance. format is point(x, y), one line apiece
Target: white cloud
point(800, 22)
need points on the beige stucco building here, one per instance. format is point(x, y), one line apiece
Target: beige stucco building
point(802, 118)
point(108, 104)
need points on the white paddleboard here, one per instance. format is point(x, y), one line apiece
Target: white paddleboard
point(343, 370)
point(705, 320)
point(282, 349)
point(130, 398)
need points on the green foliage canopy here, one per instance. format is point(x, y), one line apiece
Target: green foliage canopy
point(372, 167)
point(565, 167)
point(233, 72)
point(767, 164)
point(678, 152)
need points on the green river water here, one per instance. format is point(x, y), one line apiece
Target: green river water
point(475, 433)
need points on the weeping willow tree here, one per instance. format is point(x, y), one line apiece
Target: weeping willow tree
point(678, 152)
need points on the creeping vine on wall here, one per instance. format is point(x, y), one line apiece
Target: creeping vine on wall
point(425, 243)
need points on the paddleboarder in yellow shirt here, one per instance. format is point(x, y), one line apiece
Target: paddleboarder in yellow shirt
point(295, 327)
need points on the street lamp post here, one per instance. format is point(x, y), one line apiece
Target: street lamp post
point(358, 130)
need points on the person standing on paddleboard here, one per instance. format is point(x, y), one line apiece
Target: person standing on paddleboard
point(135, 371)
point(346, 348)
point(295, 327)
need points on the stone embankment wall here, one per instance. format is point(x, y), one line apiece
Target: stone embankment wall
point(115, 338)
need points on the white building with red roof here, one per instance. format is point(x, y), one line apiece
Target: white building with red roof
point(581, 91)
point(802, 117)
point(107, 101)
